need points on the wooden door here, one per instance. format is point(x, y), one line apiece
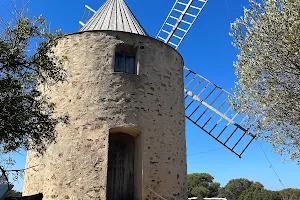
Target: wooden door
point(120, 177)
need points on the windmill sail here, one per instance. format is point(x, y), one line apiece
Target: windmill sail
point(88, 12)
point(208, 106)
point(180, 20)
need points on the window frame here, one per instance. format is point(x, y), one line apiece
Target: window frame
point(127, 55)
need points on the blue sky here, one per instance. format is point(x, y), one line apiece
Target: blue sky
point(206, 50)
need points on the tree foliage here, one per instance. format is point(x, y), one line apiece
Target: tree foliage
point(268, 71)
point(290, 194)
point(256, 191)
point(244, 189)
point(202, 185)
point(27, 119)
point(235, 187)
point(259, 194)
point(26, 60)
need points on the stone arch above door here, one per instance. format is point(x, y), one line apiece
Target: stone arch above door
point(130, 131)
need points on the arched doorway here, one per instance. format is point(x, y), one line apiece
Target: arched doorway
point(120, 175)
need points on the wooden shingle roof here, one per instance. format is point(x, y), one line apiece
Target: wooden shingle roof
point(114, 15)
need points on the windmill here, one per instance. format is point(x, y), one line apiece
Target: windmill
point(127, 96)
point(207, 105)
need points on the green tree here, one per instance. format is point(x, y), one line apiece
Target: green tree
point(202, 185)
point(259, 194)
point(290, 194)
point(27, 119)
point(199, 191)
point(235, 187)
point(268, 71)
point(214, 189)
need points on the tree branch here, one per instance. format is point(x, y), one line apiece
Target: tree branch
point(4, 173)
point(21, 170)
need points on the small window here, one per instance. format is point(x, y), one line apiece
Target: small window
point(125, 59)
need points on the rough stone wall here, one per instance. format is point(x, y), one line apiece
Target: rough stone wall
point(98, 99)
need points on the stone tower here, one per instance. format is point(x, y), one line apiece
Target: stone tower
point(124, 96)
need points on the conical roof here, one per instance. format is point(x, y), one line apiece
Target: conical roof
point(114, 15)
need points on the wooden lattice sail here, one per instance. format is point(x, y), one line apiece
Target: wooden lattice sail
point(207, 105)
point(180, 20)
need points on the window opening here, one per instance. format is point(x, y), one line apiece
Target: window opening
point(125, 59)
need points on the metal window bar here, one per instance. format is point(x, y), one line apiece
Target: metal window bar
point(223, 121)
point(180, 20)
